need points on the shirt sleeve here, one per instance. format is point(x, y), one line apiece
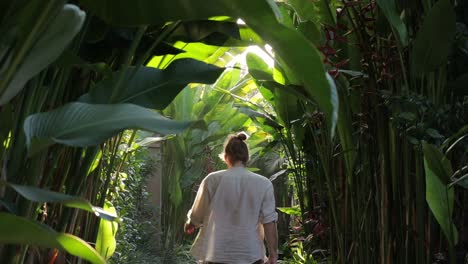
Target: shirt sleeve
point(200, 206)
point(268, 209)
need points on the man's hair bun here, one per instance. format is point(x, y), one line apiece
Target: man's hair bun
point(241, 136)
point(236, 149)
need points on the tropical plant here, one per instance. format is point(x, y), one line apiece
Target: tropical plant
point(84, 98)
point(72, 81)
point(395, 92)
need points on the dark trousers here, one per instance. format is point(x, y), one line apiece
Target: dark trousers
point(256, 262)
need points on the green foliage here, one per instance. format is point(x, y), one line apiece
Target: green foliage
point(81, 124)
point(37, 34)
point(141, 226)
point(42, 196)
point(122, 12)
point(365, 187)
point(439, 196)
point(390, 11)
point(303, 59)
point(153, 88)
point(299, 255)
point(19, 230)
point(295, 211)
point(435, 38)
point(305, 66)
point(48, 47)
point(373, 173)
point(139, 221)
point(105, 242)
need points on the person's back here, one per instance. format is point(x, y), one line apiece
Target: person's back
point(232, 206)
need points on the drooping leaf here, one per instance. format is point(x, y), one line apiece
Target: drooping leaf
point(434, 39)
point(81, 124)
point(389, 9)
point(43, 196)
point(48, 47)
point(439, 196)
point(22, 231)
point(105, 242)
point(154, 88)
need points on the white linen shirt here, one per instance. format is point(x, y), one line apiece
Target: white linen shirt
point(231, 206)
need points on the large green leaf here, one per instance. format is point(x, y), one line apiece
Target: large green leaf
point(389, 9)
point(151, 87)
point(105, 242)
point(82, 124)
point(19, 230)
point(43, 196)
point(48, 47)
point(122, 12)
point(299, 55)
point(439, 196)
point(311, 31)
point(219, 33)
point(434, 39)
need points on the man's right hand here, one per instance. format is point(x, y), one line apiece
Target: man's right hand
point(272, 260)
point(271, 235)
point(189, 229)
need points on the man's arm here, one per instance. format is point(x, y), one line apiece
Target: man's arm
point(271, 236)
point(199, 209)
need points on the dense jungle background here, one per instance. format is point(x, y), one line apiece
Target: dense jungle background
point(357, 111)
